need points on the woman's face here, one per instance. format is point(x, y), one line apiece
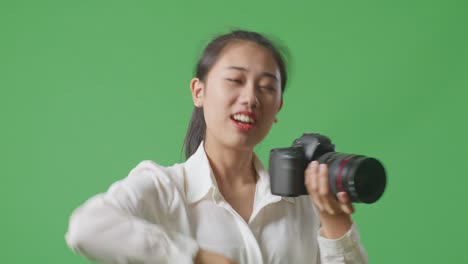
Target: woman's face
point(240, 96)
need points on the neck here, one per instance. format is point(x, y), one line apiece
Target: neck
point(231, 166)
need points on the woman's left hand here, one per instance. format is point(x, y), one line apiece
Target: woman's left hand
point(335, 211)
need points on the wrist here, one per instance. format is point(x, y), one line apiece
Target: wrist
point(335, 226)
point(198, 257)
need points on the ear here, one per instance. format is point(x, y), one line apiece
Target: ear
point(279, 108)
point(197, 88)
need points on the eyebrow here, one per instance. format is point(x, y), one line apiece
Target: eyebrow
point(268, 74)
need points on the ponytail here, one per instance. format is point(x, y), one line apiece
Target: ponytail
point(195, 132)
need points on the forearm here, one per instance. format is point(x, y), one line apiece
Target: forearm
point(102, 232)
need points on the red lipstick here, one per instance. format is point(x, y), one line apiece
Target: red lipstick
point(244, 120)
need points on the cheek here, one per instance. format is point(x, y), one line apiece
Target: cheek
point(271, 105)
point(220, 98)
point(217, 105)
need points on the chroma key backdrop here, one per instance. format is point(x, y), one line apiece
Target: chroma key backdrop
point(88, 89)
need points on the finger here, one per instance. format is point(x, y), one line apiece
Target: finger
point(330, 205)
point(313, 182)
point(311, 174)
point(323, 180)
point(345, 202)
point(327, 198)
point(343, 197)
point(317, 201)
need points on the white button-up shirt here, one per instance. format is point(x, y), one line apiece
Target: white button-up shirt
point(166, 214)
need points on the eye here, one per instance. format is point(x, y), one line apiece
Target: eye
point(234, 80)
point(269, 88)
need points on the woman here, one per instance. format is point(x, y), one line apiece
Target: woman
point(217, 206)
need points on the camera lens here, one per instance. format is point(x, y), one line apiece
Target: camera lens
point(363, 178)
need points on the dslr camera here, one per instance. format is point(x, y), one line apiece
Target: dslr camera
point(362, 178)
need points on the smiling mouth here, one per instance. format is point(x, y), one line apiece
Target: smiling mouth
point(244, 122)
point(243, 119)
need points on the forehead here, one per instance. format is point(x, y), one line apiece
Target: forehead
point(249, 55)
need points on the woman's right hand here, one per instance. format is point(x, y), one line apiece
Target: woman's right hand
point(208, 257)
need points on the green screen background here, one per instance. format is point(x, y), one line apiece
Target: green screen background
point(90, 88)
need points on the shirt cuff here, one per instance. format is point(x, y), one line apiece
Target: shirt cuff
point(339, 246)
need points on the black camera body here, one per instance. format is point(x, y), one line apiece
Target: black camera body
point(363, 178)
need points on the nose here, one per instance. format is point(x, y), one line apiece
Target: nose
point(249, 97)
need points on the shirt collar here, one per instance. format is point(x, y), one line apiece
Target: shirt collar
point(200, 179)
point(199, 176)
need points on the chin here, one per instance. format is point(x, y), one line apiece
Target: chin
point(246, 143)
point(240, 143)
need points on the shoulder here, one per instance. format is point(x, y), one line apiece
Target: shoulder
point(151, 174)
point(151, 182)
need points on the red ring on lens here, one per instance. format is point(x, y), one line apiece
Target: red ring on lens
point(339, 180)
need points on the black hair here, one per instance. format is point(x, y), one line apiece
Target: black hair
point(197, 126)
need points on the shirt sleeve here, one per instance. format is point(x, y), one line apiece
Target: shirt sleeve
point(347, 249)
point(113, 227)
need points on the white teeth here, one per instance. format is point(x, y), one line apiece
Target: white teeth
point(243, 118)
